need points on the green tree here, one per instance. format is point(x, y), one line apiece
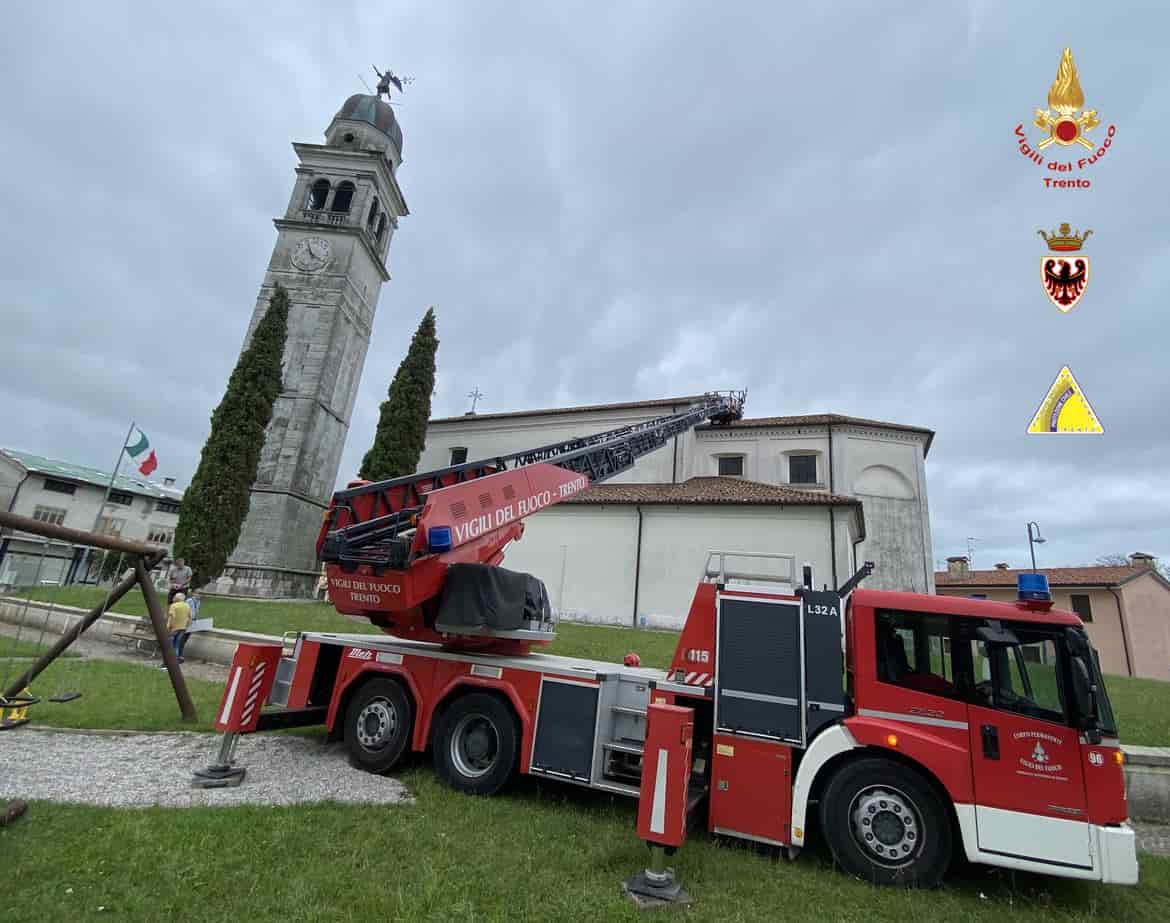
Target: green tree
point(216, 503)
point(402, 423)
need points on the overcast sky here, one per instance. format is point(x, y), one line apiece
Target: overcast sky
point(613, 203)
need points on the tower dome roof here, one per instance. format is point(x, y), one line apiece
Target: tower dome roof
point(374, 111)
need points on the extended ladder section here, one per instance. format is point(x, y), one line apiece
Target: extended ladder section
point(373, 523)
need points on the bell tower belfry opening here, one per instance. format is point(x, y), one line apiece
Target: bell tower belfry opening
point(331, 255)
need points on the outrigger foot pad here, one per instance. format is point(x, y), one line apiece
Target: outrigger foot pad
point(221, 773)
point(218, 777)
point(650, 890)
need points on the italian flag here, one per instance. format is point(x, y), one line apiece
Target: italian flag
point(143, 454)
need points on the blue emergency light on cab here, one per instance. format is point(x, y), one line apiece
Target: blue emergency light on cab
point(439, 539)
point(1033, 588)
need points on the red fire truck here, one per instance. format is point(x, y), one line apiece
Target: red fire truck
point(917, 728)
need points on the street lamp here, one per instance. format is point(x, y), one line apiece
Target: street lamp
point(1033, 541)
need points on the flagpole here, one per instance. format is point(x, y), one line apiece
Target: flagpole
point(113, 477)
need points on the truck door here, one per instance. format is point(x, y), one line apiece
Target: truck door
point(1030, 800)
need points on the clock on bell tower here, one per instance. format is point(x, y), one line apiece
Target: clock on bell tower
point(330, 254)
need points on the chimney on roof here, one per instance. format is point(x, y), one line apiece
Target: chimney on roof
point(957, 566)
point(1141, 560)
point(1001, 566)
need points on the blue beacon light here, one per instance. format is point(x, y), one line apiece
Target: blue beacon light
point(439, 538)
point(1033, 588)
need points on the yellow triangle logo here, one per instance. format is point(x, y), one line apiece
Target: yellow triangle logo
point(1065, 409)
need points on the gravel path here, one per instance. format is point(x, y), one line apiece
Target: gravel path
point(138, 770)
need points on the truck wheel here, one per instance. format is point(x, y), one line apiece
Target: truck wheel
point(378, 725)
point(477, 744)
point(885, 824)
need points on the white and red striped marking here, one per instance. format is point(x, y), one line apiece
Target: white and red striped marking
point(253, 693)
point(699, 679)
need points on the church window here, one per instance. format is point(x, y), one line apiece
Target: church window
point(343, 197)
point(802, 469)
point(731, 466)
point(372, 216)
point(318, 193)
point(381, 227)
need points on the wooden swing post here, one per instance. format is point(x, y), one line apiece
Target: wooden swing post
point(145, 557)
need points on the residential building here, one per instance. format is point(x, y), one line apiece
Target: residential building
point(1126, 609)
point(833, 490)
point(66, 494)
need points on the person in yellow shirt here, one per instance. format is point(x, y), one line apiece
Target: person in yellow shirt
point(178, 621)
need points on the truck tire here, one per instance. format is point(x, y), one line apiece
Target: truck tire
point(477, 744)
point(379, 722)
point(885, 824)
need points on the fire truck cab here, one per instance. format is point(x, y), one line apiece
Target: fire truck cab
point(915, 728)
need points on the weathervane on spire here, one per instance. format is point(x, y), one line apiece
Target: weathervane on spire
point(388, 79)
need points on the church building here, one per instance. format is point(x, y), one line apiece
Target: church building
point(835, 491)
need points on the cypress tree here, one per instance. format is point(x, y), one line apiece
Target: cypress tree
point(216, 503)
point(402, 422)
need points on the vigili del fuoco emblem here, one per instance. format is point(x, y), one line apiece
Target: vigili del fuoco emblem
point(1065, 278)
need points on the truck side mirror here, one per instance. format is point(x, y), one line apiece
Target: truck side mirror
point(1083, 694)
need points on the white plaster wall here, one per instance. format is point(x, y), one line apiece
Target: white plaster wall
point(676, 540)
point(884, 473)
point(594, 548)
point(586, 557)
point(764, 450)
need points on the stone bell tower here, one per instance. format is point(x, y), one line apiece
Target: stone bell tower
point(330, 254)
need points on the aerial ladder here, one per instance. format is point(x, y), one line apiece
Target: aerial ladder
point(387, 545)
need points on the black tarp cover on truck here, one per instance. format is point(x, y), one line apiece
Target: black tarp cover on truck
point(481, 595)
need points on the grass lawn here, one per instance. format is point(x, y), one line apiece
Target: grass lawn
point(117, 696)
point(23, 647)
point(537, 853)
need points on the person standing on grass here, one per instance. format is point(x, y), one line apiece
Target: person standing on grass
point(178, 621)
point(194, 601)
point(179, 578)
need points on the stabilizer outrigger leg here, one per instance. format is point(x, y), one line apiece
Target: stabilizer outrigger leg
point(657, 885)
point(222, 773)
